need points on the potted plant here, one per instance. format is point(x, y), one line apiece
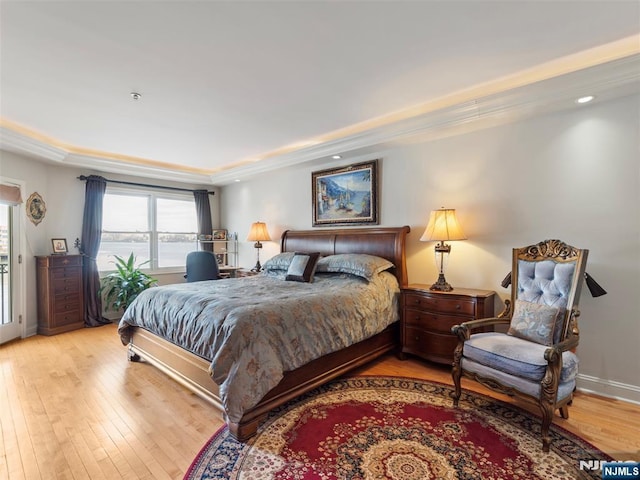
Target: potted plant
point(125, 284)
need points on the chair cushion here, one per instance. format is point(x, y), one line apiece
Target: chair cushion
point(533, 388)
point(516, 356)
point(534, 321)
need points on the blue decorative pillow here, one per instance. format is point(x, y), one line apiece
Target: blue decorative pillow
point(360, 264)
point(535, 322)
point(280, 261)
point(302, 267)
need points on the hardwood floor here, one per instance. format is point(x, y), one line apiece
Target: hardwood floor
point(73, 407)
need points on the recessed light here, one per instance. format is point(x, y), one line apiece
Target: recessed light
point(337, 157)
point(585, 99)
point(135, 95)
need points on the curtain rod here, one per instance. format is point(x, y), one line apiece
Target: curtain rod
point(121, 182)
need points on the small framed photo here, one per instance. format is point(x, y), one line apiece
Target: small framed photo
point(219, 234)
point(59, 246)
point(220, 258)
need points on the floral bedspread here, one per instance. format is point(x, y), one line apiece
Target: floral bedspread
point(253, 329)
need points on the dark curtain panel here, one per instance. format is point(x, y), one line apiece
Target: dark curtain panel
point(91, 232)
point(203, 210)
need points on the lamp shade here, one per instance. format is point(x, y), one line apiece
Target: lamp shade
point(258, 232)
point(443, 225)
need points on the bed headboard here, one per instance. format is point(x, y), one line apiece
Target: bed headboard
point(384, 242)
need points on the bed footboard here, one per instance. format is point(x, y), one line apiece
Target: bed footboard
point(191, 371)
point(186, 368)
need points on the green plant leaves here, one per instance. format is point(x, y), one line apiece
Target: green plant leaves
point(121, 287)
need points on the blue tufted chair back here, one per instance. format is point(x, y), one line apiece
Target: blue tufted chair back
point(549, 273)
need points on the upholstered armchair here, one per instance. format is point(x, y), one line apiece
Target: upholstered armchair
point(535, 358)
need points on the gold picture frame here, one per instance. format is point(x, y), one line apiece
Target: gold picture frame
point(346, 195)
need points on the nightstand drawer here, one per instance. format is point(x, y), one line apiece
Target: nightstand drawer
point(432, 321)
point(432, 346)
point(443, 305)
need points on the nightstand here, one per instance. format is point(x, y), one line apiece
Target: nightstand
point(246, 273)
point(427, 317)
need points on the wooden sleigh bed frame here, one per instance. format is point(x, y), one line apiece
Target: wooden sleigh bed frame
point(192, 371)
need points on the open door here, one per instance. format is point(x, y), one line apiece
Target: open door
point(10, 316)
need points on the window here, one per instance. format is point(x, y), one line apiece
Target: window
point(158, 228)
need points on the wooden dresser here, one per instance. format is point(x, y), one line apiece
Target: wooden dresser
point(60, 293)
point(427, 318)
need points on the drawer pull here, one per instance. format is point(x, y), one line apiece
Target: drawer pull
point(458, 306)
point(417, 338)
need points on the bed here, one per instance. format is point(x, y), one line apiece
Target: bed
point(194, 369)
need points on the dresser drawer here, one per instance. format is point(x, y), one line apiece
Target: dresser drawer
point(66, 318)
point(65, 272)
point(65, 261)
point(66, 285)
point(440, 304)
point(66, 303)
point(434, 322)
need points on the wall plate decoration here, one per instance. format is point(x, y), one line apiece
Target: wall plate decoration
point(346, 195)
point(36, 208)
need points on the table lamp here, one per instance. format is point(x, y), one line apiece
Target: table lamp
point(258, 233)
point(443, 226)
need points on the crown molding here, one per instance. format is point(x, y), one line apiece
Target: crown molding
point(493, 104)
point(607, 81)
point(16, 141)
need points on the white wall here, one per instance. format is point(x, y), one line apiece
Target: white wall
point(63, 195)
point(573, 175)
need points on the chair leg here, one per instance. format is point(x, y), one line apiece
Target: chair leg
point(564, 411)
point(547, 417)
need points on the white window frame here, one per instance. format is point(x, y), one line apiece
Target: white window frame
point(152, 214)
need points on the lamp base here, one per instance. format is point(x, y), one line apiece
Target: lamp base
point(441, 285)
point(257, 268)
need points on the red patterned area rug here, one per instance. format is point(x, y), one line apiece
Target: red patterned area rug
point(395, 428)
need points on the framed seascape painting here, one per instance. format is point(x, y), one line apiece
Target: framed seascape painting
point(346, 195)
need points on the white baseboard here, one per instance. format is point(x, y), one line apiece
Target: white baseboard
point(608, 388)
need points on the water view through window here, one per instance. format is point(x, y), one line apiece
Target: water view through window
point(156, 228)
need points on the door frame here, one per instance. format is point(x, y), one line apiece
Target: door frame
point(18, 261)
